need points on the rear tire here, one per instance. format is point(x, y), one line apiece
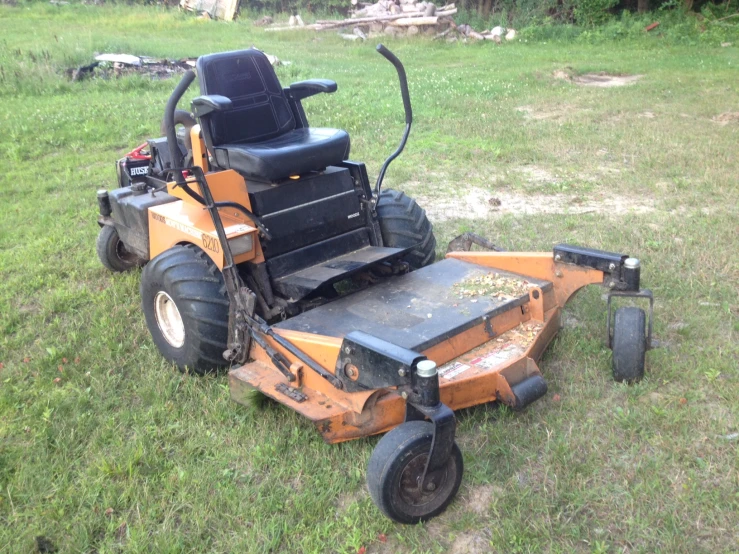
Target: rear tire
point(629, 344)
point(403, 224)
point(112, 252)
point(185, 304)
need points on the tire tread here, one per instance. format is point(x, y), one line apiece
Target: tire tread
point(404, 224)
point(629, 344)
point(193, 281)
point(383, 462)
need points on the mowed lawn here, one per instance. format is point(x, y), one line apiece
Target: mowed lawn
point(104, 447)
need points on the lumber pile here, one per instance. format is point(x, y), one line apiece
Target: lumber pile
point(409, 8)
point(465, 33)
point(212, 9)
point(400, 18)
point(392, 17)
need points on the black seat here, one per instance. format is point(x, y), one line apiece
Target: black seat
point(297, 151)
point(262, 133)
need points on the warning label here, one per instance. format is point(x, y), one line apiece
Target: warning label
point(500, 356)
point(450, 371)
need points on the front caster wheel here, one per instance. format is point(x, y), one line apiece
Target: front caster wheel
point(395, 470)
point(629, 344)
point(113, 253)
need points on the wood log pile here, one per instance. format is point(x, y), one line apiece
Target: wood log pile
point(401, 18)
point(465, 33)
point(212, 9)
point(392, 17)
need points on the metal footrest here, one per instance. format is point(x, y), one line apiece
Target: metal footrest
point(303, 282)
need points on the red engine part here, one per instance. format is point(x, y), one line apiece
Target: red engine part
point(136, 153)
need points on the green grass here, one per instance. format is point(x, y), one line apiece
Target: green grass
point(124, 454)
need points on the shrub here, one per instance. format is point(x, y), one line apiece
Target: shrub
point(590, 13)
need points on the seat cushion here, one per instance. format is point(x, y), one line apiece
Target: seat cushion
point(297, 151)
point(260, 109)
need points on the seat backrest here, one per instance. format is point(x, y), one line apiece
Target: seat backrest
point(260, 108)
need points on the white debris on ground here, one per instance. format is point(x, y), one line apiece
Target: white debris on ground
point(296, 21)
point(482, 204)
point(400, 18)
point(212, 9)
point(274, 60)
point(115, 65)
point(126, 59)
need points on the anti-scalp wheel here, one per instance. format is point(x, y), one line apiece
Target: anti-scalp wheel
point(629, 344)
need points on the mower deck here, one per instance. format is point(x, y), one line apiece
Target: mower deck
point(484, 342)
point(416, 311)
point(476, 377)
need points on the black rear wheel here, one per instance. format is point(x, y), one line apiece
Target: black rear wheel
point(185, 304)
point(403, 224)
point(629, 344)
point(395, 469)
point(113, 253)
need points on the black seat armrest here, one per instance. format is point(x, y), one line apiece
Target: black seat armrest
point(204, 105)
point(304, 89)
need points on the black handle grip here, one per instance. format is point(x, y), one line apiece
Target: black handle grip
point(392, 58)
point(169, 123)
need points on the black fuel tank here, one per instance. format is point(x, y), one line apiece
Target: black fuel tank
point(131, 216)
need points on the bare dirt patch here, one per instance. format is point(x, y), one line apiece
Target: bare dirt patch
point(563, 74)
point(479, 498)
point(483, 204)
point(569, 321)
point(534, 174)
point(548, 113)
point(604, 80)
point(726, 118)
point(470, 543)
point(150, 67)
point(345, 501)
point(601, 80)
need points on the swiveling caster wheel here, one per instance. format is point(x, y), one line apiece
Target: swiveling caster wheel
point(113, 253)
point(629, 344)
point(395, 474)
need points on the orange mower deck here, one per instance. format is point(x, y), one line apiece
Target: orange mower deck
point(485, 326)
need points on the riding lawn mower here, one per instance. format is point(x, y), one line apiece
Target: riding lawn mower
point(266, 251)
